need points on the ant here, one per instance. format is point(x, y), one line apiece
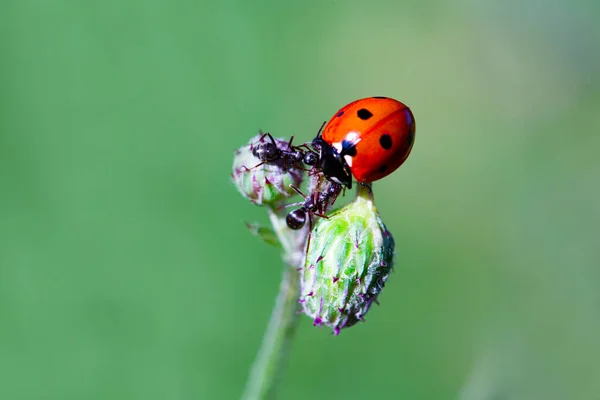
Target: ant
point(309, 153)
point(321, 156)
point(268, 152)
point(318, 155)
point(315, 204)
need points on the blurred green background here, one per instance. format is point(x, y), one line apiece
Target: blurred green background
point(125, 268)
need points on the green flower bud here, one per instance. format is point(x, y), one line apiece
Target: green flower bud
point(347, 263)
point(265, 182)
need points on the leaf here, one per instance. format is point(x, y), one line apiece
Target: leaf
point(263, 232)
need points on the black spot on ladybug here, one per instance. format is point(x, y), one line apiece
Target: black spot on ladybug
point(379, 97)
point(385, 141)
point(383, 168)
point(348, 148)
point(411, 137)
point(364, 114)
point(340, 114)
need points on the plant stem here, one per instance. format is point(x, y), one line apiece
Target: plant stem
point(269, 364)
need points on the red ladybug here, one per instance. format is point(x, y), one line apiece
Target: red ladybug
point(368, 139)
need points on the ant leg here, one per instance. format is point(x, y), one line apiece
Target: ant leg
point(243, 168)
point(310, 228)
point(294, 204)
point(290, 142)
point(273, 140)
point(281, 207)
point(315, 196)
point(338, 190)
point(314, 170)
point(304, 145)
point(256, 166)
point(332, 202)
point(297, 190)
point(270, 138)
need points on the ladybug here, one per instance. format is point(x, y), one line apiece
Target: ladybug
point(367, 139)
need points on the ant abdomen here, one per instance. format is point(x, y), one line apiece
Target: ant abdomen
point(296, 219)
point(266, 151)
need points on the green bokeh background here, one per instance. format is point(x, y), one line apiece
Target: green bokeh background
point(125, 268)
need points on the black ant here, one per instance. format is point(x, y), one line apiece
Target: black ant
point(297, 219)
point(318, 154)
point(324, 161)
point(268, 152)
point(315, 204)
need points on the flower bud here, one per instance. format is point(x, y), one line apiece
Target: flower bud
point(348, 261)
point(266, 181)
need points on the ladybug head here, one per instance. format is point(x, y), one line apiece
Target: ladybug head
point(332, 163)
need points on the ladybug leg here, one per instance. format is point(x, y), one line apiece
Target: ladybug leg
point(368, 185)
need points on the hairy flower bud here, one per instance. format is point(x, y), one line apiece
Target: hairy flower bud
point(267, 180)
point(348, 261)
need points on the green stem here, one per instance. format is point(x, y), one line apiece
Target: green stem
point(269, 364)
point(365, 191)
